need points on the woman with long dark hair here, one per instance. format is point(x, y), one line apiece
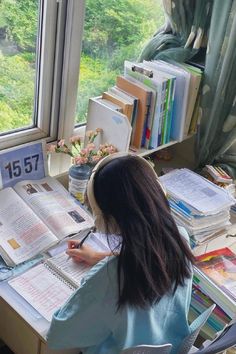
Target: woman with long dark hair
point(139, 293)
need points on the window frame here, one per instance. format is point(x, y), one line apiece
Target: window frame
point(59, 44)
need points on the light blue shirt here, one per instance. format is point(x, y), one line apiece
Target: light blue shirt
point(90, 320)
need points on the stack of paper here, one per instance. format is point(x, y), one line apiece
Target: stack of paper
point(197, 204)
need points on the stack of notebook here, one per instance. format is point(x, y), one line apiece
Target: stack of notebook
point(197, 204)
point(218, 319)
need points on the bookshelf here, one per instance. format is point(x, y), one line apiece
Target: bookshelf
point(146, 152)
point(151, 107)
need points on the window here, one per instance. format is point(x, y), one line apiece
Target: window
point(32, 34)
point(113, 31)
point(40, 51)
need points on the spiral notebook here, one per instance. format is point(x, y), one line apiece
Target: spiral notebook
point(48, 285)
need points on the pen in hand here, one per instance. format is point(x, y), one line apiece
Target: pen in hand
point(80, 244)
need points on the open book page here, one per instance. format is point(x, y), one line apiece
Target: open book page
point(42, 289)
point(71, 271)
point(22, 234)
point(48, 285)
point(55, 206)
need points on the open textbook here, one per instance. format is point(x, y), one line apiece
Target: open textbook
point(35, 215)
point(48, 285)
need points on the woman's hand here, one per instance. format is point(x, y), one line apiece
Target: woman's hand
point(85, 253)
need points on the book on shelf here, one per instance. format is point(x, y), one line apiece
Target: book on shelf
point(195, 120)
point(181, 95)
point(161, 130)
point(144, 95)
point(127, 107)
point(127, 97)
point(145, 82)
point(116, 128)
point(48, 285)
point(35, 215)
point(194, 85)
point(109, 104)
point(155, 132)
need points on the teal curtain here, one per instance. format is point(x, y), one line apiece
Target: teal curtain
point(190, 25)
point(184, 33)
point(217, 128)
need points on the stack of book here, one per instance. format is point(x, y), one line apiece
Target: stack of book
point(197, 204)
point(218, 319)
point(215, 276)
point(219, 176)
point(157, 98)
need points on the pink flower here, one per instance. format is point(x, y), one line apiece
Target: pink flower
point(79, 160)
point(91, 147)
point(89, 133)
point(51, 148)
point(99, 130)
point(80, 153)
point(84, 152)
point(61, 142)
point(75, 140)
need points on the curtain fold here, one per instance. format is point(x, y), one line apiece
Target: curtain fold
point(187, 24)
point(217, 128)
point(191, 24)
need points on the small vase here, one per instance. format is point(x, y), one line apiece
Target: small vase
point(78, 179)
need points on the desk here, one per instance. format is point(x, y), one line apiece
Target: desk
point(24, 330)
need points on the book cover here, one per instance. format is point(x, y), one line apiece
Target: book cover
point(148, 81)
point(220, 267)
point(129, 98)
point(166, 93)
point(181, 96)
point(195, 81)
point(127, 108)
point(144, 96)
point(110, 104)
point(116, 128)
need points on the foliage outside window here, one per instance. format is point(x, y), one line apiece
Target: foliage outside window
point(18, 37)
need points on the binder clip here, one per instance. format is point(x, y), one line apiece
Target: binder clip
point(143, 71)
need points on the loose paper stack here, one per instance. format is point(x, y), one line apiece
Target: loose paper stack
point(197, 204)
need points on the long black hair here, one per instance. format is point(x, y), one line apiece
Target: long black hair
point(154, 258)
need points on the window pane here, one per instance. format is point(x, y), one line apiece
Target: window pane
point(18, 39)
point(114, 31)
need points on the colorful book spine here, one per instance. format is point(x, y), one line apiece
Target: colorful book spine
point(171, 113)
